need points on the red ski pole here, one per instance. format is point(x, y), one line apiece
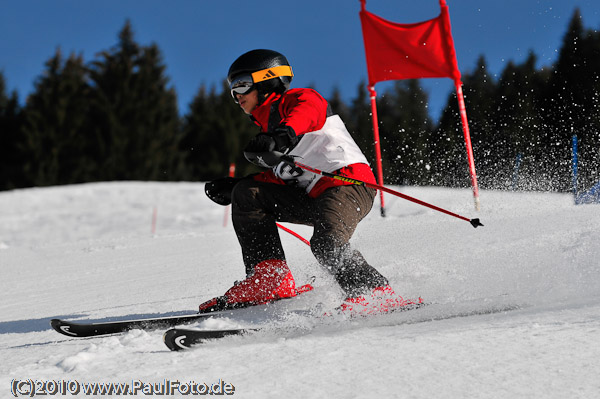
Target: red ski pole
point(298, 236)
point(290, 161)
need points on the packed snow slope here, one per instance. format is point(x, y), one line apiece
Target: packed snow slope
point(89, 252)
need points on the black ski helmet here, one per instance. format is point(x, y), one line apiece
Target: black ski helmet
point(270, 71)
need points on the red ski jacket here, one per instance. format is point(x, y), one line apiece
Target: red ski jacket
point(305, 111)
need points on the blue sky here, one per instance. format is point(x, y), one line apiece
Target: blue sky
point(322, 39)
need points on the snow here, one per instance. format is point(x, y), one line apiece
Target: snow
point(88, 252)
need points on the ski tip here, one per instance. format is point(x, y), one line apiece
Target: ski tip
point(178, 339)
point(62, 327)
point(475, 222)
point(174, 340)
point(55, 323)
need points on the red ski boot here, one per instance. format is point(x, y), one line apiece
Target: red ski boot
point(270, 281)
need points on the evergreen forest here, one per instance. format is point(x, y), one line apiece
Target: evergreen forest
point(116, 118)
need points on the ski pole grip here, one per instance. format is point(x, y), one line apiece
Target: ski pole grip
point(288, 159)
point(266, 159)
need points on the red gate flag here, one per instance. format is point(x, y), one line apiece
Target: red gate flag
point(413, 51)
point(409, 51)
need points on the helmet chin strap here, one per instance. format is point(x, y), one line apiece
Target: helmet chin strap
point(268, 87)
point(262, 96)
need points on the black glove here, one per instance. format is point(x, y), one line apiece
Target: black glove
point(263, 142)
point(260, 149)
point(219, 190)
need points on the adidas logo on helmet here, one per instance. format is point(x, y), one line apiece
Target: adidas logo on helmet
point(270, 74)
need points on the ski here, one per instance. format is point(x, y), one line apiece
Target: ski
point(82, 329)
point(94, 329)
point(184, 338)
point(177, 339)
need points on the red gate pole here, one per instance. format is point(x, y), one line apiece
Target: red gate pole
point(467, 134)
point(373, 94)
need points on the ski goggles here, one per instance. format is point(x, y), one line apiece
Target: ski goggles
point(245, 83)
point(241, 85)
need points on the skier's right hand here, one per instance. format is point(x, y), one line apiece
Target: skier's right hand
point(219, 190)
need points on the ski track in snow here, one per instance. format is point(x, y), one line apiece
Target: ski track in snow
point(87, 252)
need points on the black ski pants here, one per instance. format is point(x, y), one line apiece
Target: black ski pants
point(256, 206)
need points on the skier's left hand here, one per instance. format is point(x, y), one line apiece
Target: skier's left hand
point(282, 139)
point(266, 148)
point(263, 142)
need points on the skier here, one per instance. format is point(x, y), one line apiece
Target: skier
point(297, 122)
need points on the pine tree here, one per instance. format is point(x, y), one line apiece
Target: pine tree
point(54, 125)
point(11, 140)
point(512, 134)
point(215, 132)
point(519, 126)
point(134, 114)
point(585, 91)
point(237, 130)
point(589, 134)
point(571, 100)
point(405, 131)
point(449, 161)
point(338, 107)
point(201, 148)
point(479, 89)
point(360, 124)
